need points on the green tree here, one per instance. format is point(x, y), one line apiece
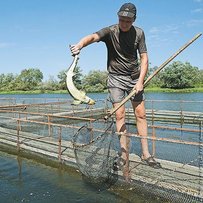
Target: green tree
point(77, 78)
point(62, 79)
point(29, 79)
point(199, 82)
point(180, 75)
point(7, 81)
point(95, 81)
point(156, 81)
point(50, 84)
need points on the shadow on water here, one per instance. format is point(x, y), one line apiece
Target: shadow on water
point(24, 180)
point(101, 184)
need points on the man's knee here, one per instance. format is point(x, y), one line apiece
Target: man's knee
point(141, 117)
point(120, 116)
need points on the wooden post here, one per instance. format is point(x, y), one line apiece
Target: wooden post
point(49, 126)
point(153, 132)
point(18, 134)
point(59, 140)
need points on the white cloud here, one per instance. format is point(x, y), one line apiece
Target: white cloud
point(165, 29)
point(5, 44)
point(154, 30)
point(198, 10)
point(194, 22)
point(171, 28)
point(159, 36)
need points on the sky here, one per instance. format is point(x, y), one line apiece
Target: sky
point(37, 33)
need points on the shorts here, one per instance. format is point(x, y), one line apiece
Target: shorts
point(119, 86)
point(117, 95)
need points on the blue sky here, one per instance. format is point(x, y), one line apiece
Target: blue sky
point(37, 33)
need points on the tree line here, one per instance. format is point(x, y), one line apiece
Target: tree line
point(178, 75)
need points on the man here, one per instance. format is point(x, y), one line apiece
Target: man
point(123, 41)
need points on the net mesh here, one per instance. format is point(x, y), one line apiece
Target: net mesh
point(95, 148)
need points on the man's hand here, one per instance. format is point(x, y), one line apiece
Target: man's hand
point(75, 49)
point(139, 86)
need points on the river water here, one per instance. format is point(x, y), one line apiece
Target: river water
point(172, 101)
point(24, 180)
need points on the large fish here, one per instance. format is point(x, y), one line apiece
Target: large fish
point(78, 95)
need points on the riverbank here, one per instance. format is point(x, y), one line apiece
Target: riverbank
point(148, 89)
point(158, 89)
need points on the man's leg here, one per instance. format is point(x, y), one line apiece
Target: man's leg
point(117, 95)
point(140, 114)
point(121, 128)
point(124, 140)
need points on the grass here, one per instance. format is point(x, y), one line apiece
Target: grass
point(147, 89)
point(158, 89)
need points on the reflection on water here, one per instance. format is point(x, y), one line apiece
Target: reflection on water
point(23, 180)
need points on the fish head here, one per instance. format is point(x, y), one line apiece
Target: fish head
point(76, 102)
point(91, 102)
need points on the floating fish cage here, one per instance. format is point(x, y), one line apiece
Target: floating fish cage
point(46, 127)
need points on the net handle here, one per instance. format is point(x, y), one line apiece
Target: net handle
point(134, 91)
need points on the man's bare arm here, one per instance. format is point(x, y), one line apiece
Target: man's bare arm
point(143, 71)
point(85, 41)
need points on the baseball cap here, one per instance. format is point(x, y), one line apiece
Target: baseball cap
point(127, 10)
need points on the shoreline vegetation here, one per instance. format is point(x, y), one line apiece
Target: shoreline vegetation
point(177, 77)
point(150, 89)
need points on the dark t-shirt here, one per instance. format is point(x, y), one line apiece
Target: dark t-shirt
point(122, 49)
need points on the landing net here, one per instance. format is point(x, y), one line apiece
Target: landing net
point(95, 148)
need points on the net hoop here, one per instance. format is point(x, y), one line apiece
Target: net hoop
point(102, 132)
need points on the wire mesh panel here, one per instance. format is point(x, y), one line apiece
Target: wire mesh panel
point(7, 101)
point(180, 177)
